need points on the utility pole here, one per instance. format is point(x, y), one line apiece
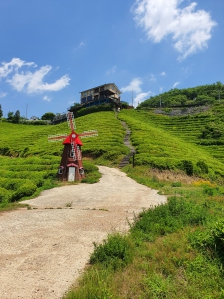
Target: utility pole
point(26, 110)
point(160, 101)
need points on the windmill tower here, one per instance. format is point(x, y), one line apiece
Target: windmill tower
point(71, 167)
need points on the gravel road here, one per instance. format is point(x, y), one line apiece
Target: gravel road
point(43, 250)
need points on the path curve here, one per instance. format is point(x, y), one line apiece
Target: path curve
point(44, 250)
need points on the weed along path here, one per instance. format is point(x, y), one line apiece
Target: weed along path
point(44, 249)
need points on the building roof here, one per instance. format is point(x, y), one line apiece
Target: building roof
point(101, 86)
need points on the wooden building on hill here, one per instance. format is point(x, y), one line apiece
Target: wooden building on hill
point(103, 94)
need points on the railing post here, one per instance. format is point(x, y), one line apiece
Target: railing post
point(133, 160)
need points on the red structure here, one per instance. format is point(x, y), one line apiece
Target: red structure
point(71, 167)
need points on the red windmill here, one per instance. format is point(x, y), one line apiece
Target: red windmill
point(71, 167)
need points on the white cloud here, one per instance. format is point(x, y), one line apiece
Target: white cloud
point(46, 98)
point(27, 81)
point(3, 94)
point(163, 74)
point(111, 70)
point(141, 97)
point(176, 84)
point(190, 29)
point(13, 66)
point(81, 44)
point(133, 86)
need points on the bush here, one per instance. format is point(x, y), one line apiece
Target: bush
point(89, 167)
point(203, 166)
point(209, 190)
point(26, 189)
point(93, 109)
point(5, 195)
point(176, 184)
point(211, 241)
point(187, 167)
point(115, 252)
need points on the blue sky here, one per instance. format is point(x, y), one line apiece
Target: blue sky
point(50, 50)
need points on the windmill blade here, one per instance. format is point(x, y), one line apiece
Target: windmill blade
point(58, 137)
point(90, 133)
point(71, 121)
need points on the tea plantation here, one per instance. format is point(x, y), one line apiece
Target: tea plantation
point(29, 162)
point(192, 143)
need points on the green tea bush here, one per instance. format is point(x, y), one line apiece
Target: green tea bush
point(27, 189)
point(92, 174)
point(11, 184)
point(5, 195)
point(89, 167)
point(93, 109)
point(203, 166)
point(187, 167)
point(115, 252)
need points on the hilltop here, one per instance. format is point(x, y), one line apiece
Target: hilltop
point(193, 96)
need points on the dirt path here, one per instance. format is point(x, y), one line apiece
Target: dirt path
point(43, 250)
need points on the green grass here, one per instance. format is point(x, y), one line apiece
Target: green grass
point(164, 255)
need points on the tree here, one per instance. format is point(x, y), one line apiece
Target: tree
point(16, 117)
point(10, 116)
point(1, 112)
point(48, 116)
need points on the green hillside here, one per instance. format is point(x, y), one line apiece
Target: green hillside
point(172, 251)
point(198, 95)
point(29, 162)
point(187, 143)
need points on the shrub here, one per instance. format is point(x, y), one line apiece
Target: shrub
point(187, 166)
point(176, 184)
point(211, 241)
point(89, 167)
point(5, 195)
point(203, 166)
point(115, 252)
point(26, 189)
point(209, 190)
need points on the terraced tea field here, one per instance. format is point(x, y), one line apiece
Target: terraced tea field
point(29, 162)
point(166, 142)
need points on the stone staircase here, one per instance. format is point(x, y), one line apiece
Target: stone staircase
point(126, 160)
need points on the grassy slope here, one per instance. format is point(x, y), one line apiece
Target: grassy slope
point(169, 251)
point(29, 162)
point(164, 142)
